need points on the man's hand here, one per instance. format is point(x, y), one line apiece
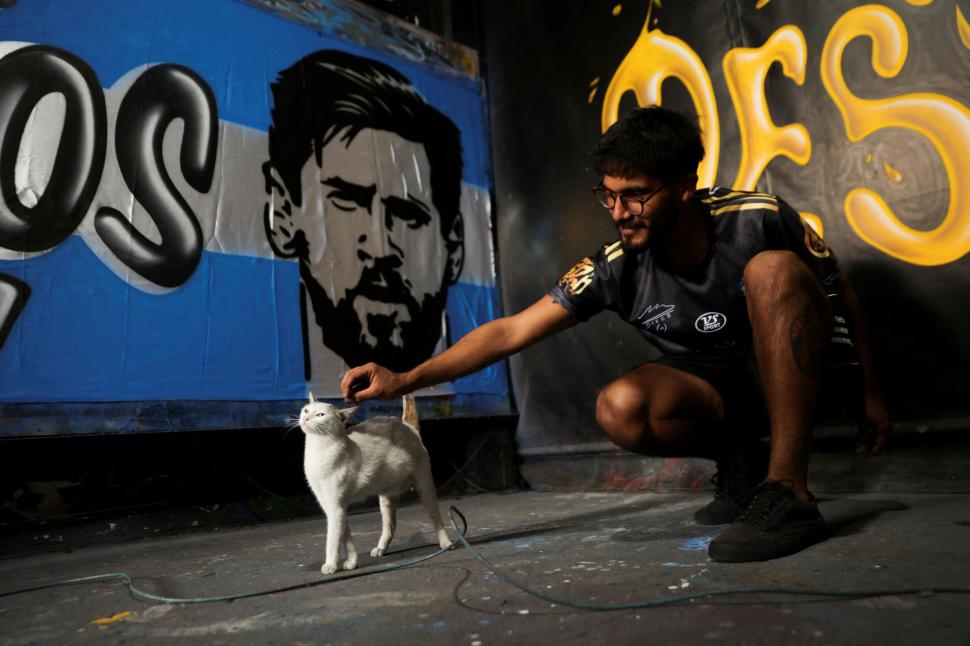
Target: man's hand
point(371, 381)
point(874, 428)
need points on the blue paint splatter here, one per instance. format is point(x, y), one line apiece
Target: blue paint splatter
point(699, 543)
point(439, 624)
point(484, 622)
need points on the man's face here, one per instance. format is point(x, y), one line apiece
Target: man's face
point(638, 231)
point(376, 257)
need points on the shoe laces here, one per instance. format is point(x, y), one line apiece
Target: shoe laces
point(728, 482)
point(765, 500)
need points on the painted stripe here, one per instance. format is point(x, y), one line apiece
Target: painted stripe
point(748, 206)
point(231, 212)
point(842, 340)
point(610, 248)
point(842, 330)
point(616, 254)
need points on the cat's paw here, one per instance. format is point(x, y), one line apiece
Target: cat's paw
point(350, 563)
point(329, 568)
point(444, 542)
point(377, 552)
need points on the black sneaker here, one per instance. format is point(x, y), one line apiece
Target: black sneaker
point(775, 523)
point(733, 486)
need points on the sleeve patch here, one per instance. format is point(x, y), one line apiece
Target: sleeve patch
point(577, 279)
point(814, 242)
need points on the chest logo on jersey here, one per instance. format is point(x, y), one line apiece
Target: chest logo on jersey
point(655, 316)
point(710, 322)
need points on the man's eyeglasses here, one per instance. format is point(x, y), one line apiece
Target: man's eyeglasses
point(635, 203)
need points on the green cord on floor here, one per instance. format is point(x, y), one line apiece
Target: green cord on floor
point(456, 516)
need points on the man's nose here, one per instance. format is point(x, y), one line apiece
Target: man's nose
point(367, 250)
point(619, 212)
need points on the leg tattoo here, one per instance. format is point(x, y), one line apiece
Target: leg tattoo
point(807, 346)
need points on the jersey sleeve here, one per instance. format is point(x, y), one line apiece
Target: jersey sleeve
point(586, 289)
point(789, 231)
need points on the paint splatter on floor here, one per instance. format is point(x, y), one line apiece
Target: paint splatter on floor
point(699, 543)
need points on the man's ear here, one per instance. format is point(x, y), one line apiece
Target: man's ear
point(686, 186)
point(278, 215)
point(455, 244)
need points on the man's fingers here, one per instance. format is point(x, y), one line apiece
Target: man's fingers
point(354, 381)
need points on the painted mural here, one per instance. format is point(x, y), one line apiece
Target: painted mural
point(219, 203)
point(942, 120)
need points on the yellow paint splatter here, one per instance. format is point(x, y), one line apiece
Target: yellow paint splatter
point(595, 81)
point(869, 159)
point(919, 3)
point(963, 28)
point(617, 9)
point(103, 621)
point(761, 3)
point(591, 95)
point(893, 174)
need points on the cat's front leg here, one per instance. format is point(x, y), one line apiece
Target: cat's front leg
point(351, 561)
point(388, 524)
point(336, 528)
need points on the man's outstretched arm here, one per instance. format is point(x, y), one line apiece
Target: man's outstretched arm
point(481, 347)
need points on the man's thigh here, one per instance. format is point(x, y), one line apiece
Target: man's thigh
point(669, 392)
point(735, 380)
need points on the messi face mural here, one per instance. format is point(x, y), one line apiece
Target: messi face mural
point(363, 185)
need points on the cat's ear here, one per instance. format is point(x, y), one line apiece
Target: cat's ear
point(283, 235)
point(347, 413)
point(313, 400)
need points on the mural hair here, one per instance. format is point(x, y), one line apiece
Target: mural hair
point(330, 94)
point(654, 141)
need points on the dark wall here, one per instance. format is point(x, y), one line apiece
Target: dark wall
point(548, 68)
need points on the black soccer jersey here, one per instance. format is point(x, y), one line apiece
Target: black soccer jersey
point(703, 310)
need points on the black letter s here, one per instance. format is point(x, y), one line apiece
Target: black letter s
point(159, 96)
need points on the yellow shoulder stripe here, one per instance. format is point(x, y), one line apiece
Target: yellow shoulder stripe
point(739, 194)
point(614, 254)
point(747, 206)
point(610, 247)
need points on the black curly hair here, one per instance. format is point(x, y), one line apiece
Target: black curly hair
point(654, 141)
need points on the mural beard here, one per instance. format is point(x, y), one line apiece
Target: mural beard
point(397, 345)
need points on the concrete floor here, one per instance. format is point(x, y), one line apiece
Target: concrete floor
point(595, 547)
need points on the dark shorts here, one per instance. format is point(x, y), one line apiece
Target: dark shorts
point(734, 374)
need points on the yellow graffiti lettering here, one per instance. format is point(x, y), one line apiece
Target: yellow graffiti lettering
point(654, 58)
point(745, 71)
point(963, 28)
point(943, 121)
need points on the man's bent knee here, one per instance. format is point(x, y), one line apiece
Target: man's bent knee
point(623, 414)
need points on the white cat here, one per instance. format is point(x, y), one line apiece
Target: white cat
point(380, 457)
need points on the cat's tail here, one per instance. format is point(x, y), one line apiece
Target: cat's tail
point(409, 414)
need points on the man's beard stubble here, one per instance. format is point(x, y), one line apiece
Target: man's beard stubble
point(343, 331)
